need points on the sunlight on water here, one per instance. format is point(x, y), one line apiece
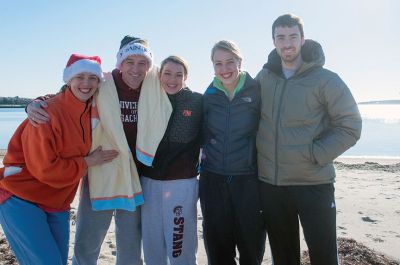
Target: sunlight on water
point(380, 135)
point(384, 113)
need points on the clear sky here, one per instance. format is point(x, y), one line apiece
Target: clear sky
point(361, 38)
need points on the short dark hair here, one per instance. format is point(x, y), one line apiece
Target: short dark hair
point(177, 60)
point(288, 20)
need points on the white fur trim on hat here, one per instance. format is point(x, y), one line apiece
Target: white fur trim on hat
point(80, 66)
point(133, 48)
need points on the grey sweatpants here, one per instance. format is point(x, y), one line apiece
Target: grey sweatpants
point(169, 221)
point(92, 227)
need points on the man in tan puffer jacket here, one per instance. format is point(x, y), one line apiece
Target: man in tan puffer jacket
point(308, 118)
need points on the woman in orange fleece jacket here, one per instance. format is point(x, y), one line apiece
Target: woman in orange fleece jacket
point(43, 167)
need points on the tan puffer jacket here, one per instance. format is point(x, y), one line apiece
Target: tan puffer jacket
point(306, 121)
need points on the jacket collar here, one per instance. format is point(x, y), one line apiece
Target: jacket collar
point(311, 53)
point(248, 82)
point(73, 104)
point(181, 95)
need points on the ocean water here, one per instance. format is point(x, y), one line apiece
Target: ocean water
point(380, 135)
point(10, 118)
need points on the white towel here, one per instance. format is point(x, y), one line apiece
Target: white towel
point(113, 185)
point(154, 111)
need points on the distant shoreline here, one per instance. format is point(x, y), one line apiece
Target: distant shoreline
point(12, 106)
point(380, 102)
point(16, 102)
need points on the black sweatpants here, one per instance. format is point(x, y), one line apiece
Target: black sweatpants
point(314, 205)
point(231, 218)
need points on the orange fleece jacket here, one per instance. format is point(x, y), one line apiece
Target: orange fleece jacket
point(52, 155)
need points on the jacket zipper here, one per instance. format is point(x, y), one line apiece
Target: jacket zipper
point(226, 134)
point(277, 131)
point(174, 105)
point(80, 121)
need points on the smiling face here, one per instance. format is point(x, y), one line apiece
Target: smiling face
point(172, 77)
point(226, 68)
point(84, 85)
point(134, 69)
point(288, 42)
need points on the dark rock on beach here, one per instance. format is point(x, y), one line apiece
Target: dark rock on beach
point(6, 255)
point(352, 252)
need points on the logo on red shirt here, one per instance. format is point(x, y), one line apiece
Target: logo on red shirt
point(187, 113)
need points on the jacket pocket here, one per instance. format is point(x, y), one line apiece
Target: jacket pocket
point(297, 154)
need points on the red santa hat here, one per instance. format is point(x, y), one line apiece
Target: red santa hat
point(78, 63)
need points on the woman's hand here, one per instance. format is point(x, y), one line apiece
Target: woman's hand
point(99, 156)
point(36, 113)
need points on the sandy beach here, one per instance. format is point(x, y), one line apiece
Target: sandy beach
point(368, 209)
